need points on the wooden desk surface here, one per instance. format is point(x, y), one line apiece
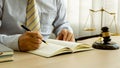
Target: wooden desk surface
point(89, 59)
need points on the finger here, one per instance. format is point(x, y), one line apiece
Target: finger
point(59, 37)
point(34, 34)
point(27, 47)
point(64, 35)
point(72, 39)
point(36, 41)
point(69, 36)
point(33, 46)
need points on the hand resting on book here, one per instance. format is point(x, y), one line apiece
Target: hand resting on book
point(66, 35)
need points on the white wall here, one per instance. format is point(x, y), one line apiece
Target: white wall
point(118, 15)
point(77, 12)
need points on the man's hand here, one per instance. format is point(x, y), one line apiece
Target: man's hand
point(66, 36)
point(30, 41)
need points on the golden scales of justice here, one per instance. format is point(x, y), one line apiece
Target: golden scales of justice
point(102, 10)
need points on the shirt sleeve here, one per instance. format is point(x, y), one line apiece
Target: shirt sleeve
point(60, 21)
point(9, 41)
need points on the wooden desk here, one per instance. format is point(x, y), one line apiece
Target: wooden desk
point(89, 59)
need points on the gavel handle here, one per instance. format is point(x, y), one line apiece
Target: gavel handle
point(87, 37)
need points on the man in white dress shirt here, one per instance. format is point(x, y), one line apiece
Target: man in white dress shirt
point(13, 13)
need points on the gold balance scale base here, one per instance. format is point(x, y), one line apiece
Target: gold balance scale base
point(98, 44)
point(108, 46)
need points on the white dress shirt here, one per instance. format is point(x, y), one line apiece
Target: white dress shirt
point(13, 13)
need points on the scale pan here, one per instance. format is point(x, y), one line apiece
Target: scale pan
point(89, 29)
point(115, 34)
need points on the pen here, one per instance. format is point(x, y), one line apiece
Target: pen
point(30, 30)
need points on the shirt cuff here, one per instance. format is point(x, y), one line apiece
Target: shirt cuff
point(11, 41)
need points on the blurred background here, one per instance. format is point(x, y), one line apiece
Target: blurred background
point(83, 14)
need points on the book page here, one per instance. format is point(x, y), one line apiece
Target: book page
point(50, 50)
point(82, 47)
point(72, 45)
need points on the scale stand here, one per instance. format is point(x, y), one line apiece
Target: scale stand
point(102, 10)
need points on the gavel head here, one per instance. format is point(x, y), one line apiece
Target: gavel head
point(105, 29)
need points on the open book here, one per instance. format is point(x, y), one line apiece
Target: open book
point(56, 47)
